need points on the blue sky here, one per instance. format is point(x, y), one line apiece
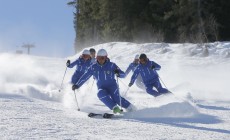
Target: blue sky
point(48, 24)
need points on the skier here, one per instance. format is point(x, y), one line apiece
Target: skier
point(147, 70)
point(104, 72)
point(92, 54)
point(82, 64)
point(132, 66)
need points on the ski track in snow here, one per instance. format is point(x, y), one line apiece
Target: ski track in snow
point(33, 108)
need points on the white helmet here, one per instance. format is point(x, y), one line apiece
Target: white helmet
point(102, 52)
point(137, 56)
point(86, 52)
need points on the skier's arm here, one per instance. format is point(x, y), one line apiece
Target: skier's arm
point(155, 66)
point(85, 77)
point(134, 76)
point(128, 70)
point(117, 71)
point(71, 65)
point(121, 73)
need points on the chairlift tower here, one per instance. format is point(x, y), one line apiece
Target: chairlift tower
point(28, 46)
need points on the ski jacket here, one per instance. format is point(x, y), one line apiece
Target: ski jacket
point(104, 74)
point(147, 72)
point(81, 65)
point(132, 66)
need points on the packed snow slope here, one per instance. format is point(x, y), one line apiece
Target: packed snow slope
point(35, 105)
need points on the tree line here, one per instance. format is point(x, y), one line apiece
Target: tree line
point(171, 21)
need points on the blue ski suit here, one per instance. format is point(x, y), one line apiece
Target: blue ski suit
point(81, 67)
point(149, 77)
point(139, 82)
point(108, 90)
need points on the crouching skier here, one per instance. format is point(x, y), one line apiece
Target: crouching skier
point(147, 70)
point(104, 72)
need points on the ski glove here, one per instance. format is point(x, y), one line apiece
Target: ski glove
point(68, 63)
point(75, 87)
point(116, 71)
point(130, 84)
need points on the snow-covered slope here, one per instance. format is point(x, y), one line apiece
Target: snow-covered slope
point(33, 108)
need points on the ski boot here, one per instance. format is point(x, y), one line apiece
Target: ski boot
point(116, 109)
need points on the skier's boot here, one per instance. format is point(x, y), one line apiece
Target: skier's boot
point(116, 109)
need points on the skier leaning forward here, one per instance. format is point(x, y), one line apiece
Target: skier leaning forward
point(104, 72)
point(147, 70)
point(82, 64)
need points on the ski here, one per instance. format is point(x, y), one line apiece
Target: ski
point(103, 115)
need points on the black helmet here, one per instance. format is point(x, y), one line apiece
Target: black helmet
point(92, 50)
point(143, 56)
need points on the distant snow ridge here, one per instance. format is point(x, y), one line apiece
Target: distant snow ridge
point(171, 110)
point(217, 49)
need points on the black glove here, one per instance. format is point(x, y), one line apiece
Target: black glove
point(116, 71)
point(153, 67)
point(75, 87)
point(130, 84)
point(68, 63)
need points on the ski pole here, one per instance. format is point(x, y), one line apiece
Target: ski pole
point(62, 80)
point(119, 93)
point(123, 82)
point(162, 82)
point(126, 91)
point(76, 101)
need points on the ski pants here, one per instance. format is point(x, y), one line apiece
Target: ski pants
point(160, 90)
point(110, 97)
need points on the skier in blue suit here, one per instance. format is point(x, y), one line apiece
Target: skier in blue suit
point(82, 64)
point(104, 72)
point(132, 67)
point(147, 70)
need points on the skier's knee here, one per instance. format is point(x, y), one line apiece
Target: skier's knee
point(101, 93)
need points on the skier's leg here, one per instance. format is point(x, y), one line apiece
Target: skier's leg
point(159, 87)
point(105, 98)
point(116, 97)
point(151, 91)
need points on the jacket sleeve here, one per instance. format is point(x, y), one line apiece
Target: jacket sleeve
point(121, 73)
point(74, 63)
point(157, 66)
point(85, 77)
point(128, 70)
point(134, 76)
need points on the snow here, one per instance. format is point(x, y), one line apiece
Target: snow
point(33, 108)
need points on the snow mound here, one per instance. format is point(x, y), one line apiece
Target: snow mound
point(170, 110)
